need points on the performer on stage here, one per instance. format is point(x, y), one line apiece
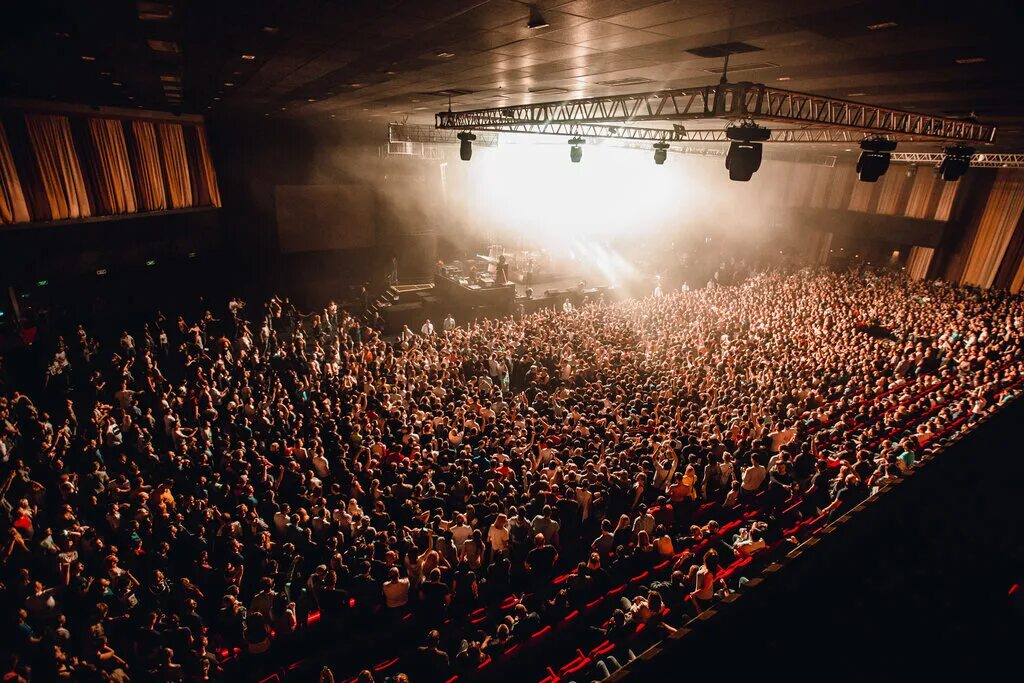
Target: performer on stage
point(501, 276)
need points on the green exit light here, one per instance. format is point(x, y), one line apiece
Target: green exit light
point(151, 262)
point(42, 283)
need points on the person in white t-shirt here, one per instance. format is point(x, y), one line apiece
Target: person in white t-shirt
point(460, 531)
point(497, 536)
point(753, 476)
point(396, 590)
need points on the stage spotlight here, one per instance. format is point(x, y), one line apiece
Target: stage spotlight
point(576, 150)
point(874, 159)
point(743, 160)
point(956, 162)
point(536, 19)
point(744, 156)
point(466, 145)
point(660, 152)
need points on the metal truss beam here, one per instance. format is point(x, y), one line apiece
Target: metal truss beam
point(788, 135)
point(425, 134)
point(729, 101)
point(977, 161)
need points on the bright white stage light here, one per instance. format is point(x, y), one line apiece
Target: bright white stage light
point(533, 190)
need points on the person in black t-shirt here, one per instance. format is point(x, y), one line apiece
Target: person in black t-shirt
point(540, 561)
point(432, 665)
point(435, 596)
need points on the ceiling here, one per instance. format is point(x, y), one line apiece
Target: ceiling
point(396, 59)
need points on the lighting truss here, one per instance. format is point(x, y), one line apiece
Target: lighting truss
point(977, 160)
point(411, 132)
point(791, 135)
point(729, 101)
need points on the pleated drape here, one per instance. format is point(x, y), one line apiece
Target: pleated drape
point(206, 168)
point(1018, 279)
point(818, 247)
point(149, 177)
point(860, 197)
point(998, 221)
point(892, 191)
point(918, 262)
point(801, 183)
point(113, 172)
point(946, 199)
point(59, 169)
point(821, 183)
point(175, 158)
point(13, 208)
point(920, 194)
point(841, 187)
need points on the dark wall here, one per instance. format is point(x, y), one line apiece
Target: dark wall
point(895, 230)
point(254, 156)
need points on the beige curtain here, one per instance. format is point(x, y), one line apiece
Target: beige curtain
point(59, 169)
point(918, 262)
point(209, 174)
point(920, 194)
point(945, 206)
point(843, 178)
point(998, 221)
point(818, 246)
point(113, 171)
point(893, 183)
point(172, 148)
point(860, 198)
point(13, 208)
point(821, 183)
point(146, 161)
point(1018, 279)
point(799, 184)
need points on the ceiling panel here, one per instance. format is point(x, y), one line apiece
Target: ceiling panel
point(361, 57)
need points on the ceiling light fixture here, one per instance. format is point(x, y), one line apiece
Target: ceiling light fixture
point(445, 55)
point(784, 78)
point(874, 159)
point(270, 29)
point(249, 57)
point(576, 150)
point(536, 19)
point(857, 94)
point(155, 11)
point(466, 145)
point(882, 25)
point(660, 152)
point(970, 60)
point(229, 84)
point(168, 46)
point(88, 58)
point(956, 162)
point(745, 150)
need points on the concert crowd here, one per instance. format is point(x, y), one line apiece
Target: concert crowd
point(208, 495)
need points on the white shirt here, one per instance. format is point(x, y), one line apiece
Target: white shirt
point(396, 593)
point(498, 539)
point(753, 477)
